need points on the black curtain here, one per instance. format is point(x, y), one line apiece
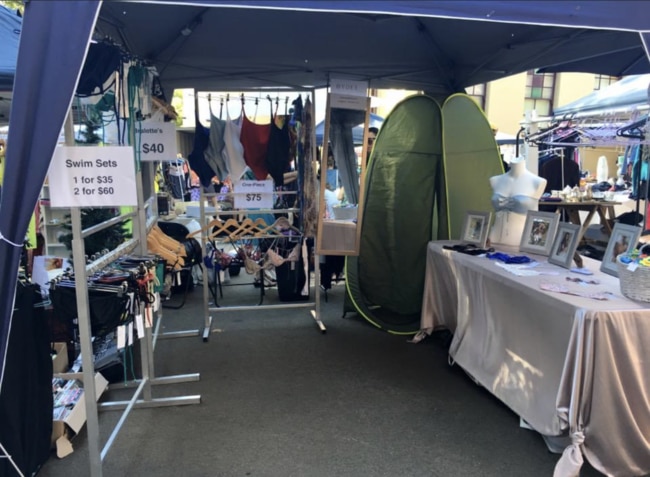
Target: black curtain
point(26, 401)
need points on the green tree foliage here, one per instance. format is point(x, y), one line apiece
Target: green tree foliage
point(17, 5)
point(177, 103)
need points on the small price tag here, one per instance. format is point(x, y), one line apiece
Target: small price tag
point(121, 337)
point(148, 317)
point(253, 194)
point(157, 140)
point(129, 334)
point(139, 326)
point(633, 266)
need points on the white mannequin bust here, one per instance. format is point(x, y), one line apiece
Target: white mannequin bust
point(514, 194)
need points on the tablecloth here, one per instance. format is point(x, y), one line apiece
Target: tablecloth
point(566, 364)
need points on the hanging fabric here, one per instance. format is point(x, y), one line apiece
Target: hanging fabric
point(310, 191)
point(255, 139)
point(279, 146)
point(197, 156)
point(98, 73)
point(214, 153)
point(233, 149)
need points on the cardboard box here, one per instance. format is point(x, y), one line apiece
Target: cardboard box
point(60, 359)
point(64, 430)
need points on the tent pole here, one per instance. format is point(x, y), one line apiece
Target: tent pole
point(85, 335)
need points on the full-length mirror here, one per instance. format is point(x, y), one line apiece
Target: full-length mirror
point(341, 174)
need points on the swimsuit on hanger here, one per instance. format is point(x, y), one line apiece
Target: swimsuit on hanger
point(233, 150)
point(255, 139)
point(214, 153)
point(277, 259)
point(197, 156)
point(277, 156)
point(519, 203)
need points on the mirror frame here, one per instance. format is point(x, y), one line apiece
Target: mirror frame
point(322, 223)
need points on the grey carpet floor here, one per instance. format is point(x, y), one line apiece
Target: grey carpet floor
point(278, 398)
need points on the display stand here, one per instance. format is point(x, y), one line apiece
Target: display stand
point(314, 305)
point(207, 309)
point(142, 397)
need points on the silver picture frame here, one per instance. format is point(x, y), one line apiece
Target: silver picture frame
point(476, 227)
point(539, 232)
point(564, 245)
point(623, 239)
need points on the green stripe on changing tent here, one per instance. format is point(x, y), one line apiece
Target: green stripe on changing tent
point(471, 158)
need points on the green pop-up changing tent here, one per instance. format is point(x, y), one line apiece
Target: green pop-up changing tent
point(429, 166)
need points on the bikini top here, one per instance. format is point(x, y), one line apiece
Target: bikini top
point(519, 204)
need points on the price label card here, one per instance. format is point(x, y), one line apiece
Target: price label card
point(348, 94)
point(157, 140)
point(253, 194)
point(92, 177)
point(349, 87)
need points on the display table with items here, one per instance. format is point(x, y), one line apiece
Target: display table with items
point(565, 351)
point(604, 209)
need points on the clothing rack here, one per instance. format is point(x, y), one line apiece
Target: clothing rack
point(313, 305)
point(616, 128)
point(142, 397)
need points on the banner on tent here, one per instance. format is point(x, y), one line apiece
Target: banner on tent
point(92, 177)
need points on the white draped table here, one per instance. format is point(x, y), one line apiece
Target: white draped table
point(568, 365)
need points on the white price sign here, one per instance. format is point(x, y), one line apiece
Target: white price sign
point(348, 94)
point(92, 177)
point(253, 194)
point(349, 87)
point(157, 140)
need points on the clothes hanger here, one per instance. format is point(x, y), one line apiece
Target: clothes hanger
point(208, 228)
point(249, 227)
point(210, 104)
point(633, 130)
point(222, 228)
point(281, 225)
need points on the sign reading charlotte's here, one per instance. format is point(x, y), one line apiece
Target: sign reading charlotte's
point(253, 194)
point(92, 177)
point(157, 140)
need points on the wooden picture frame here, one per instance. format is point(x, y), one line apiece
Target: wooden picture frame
point(476, 227)
point(564, 245)
point(539, 232)
point(624, 239)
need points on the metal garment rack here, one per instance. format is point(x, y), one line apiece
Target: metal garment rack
point(207, 309)
point(142, 397)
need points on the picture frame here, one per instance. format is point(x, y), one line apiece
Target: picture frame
point(476, 227)
point(539, 232)
point(564, 245)
point(624, 239)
